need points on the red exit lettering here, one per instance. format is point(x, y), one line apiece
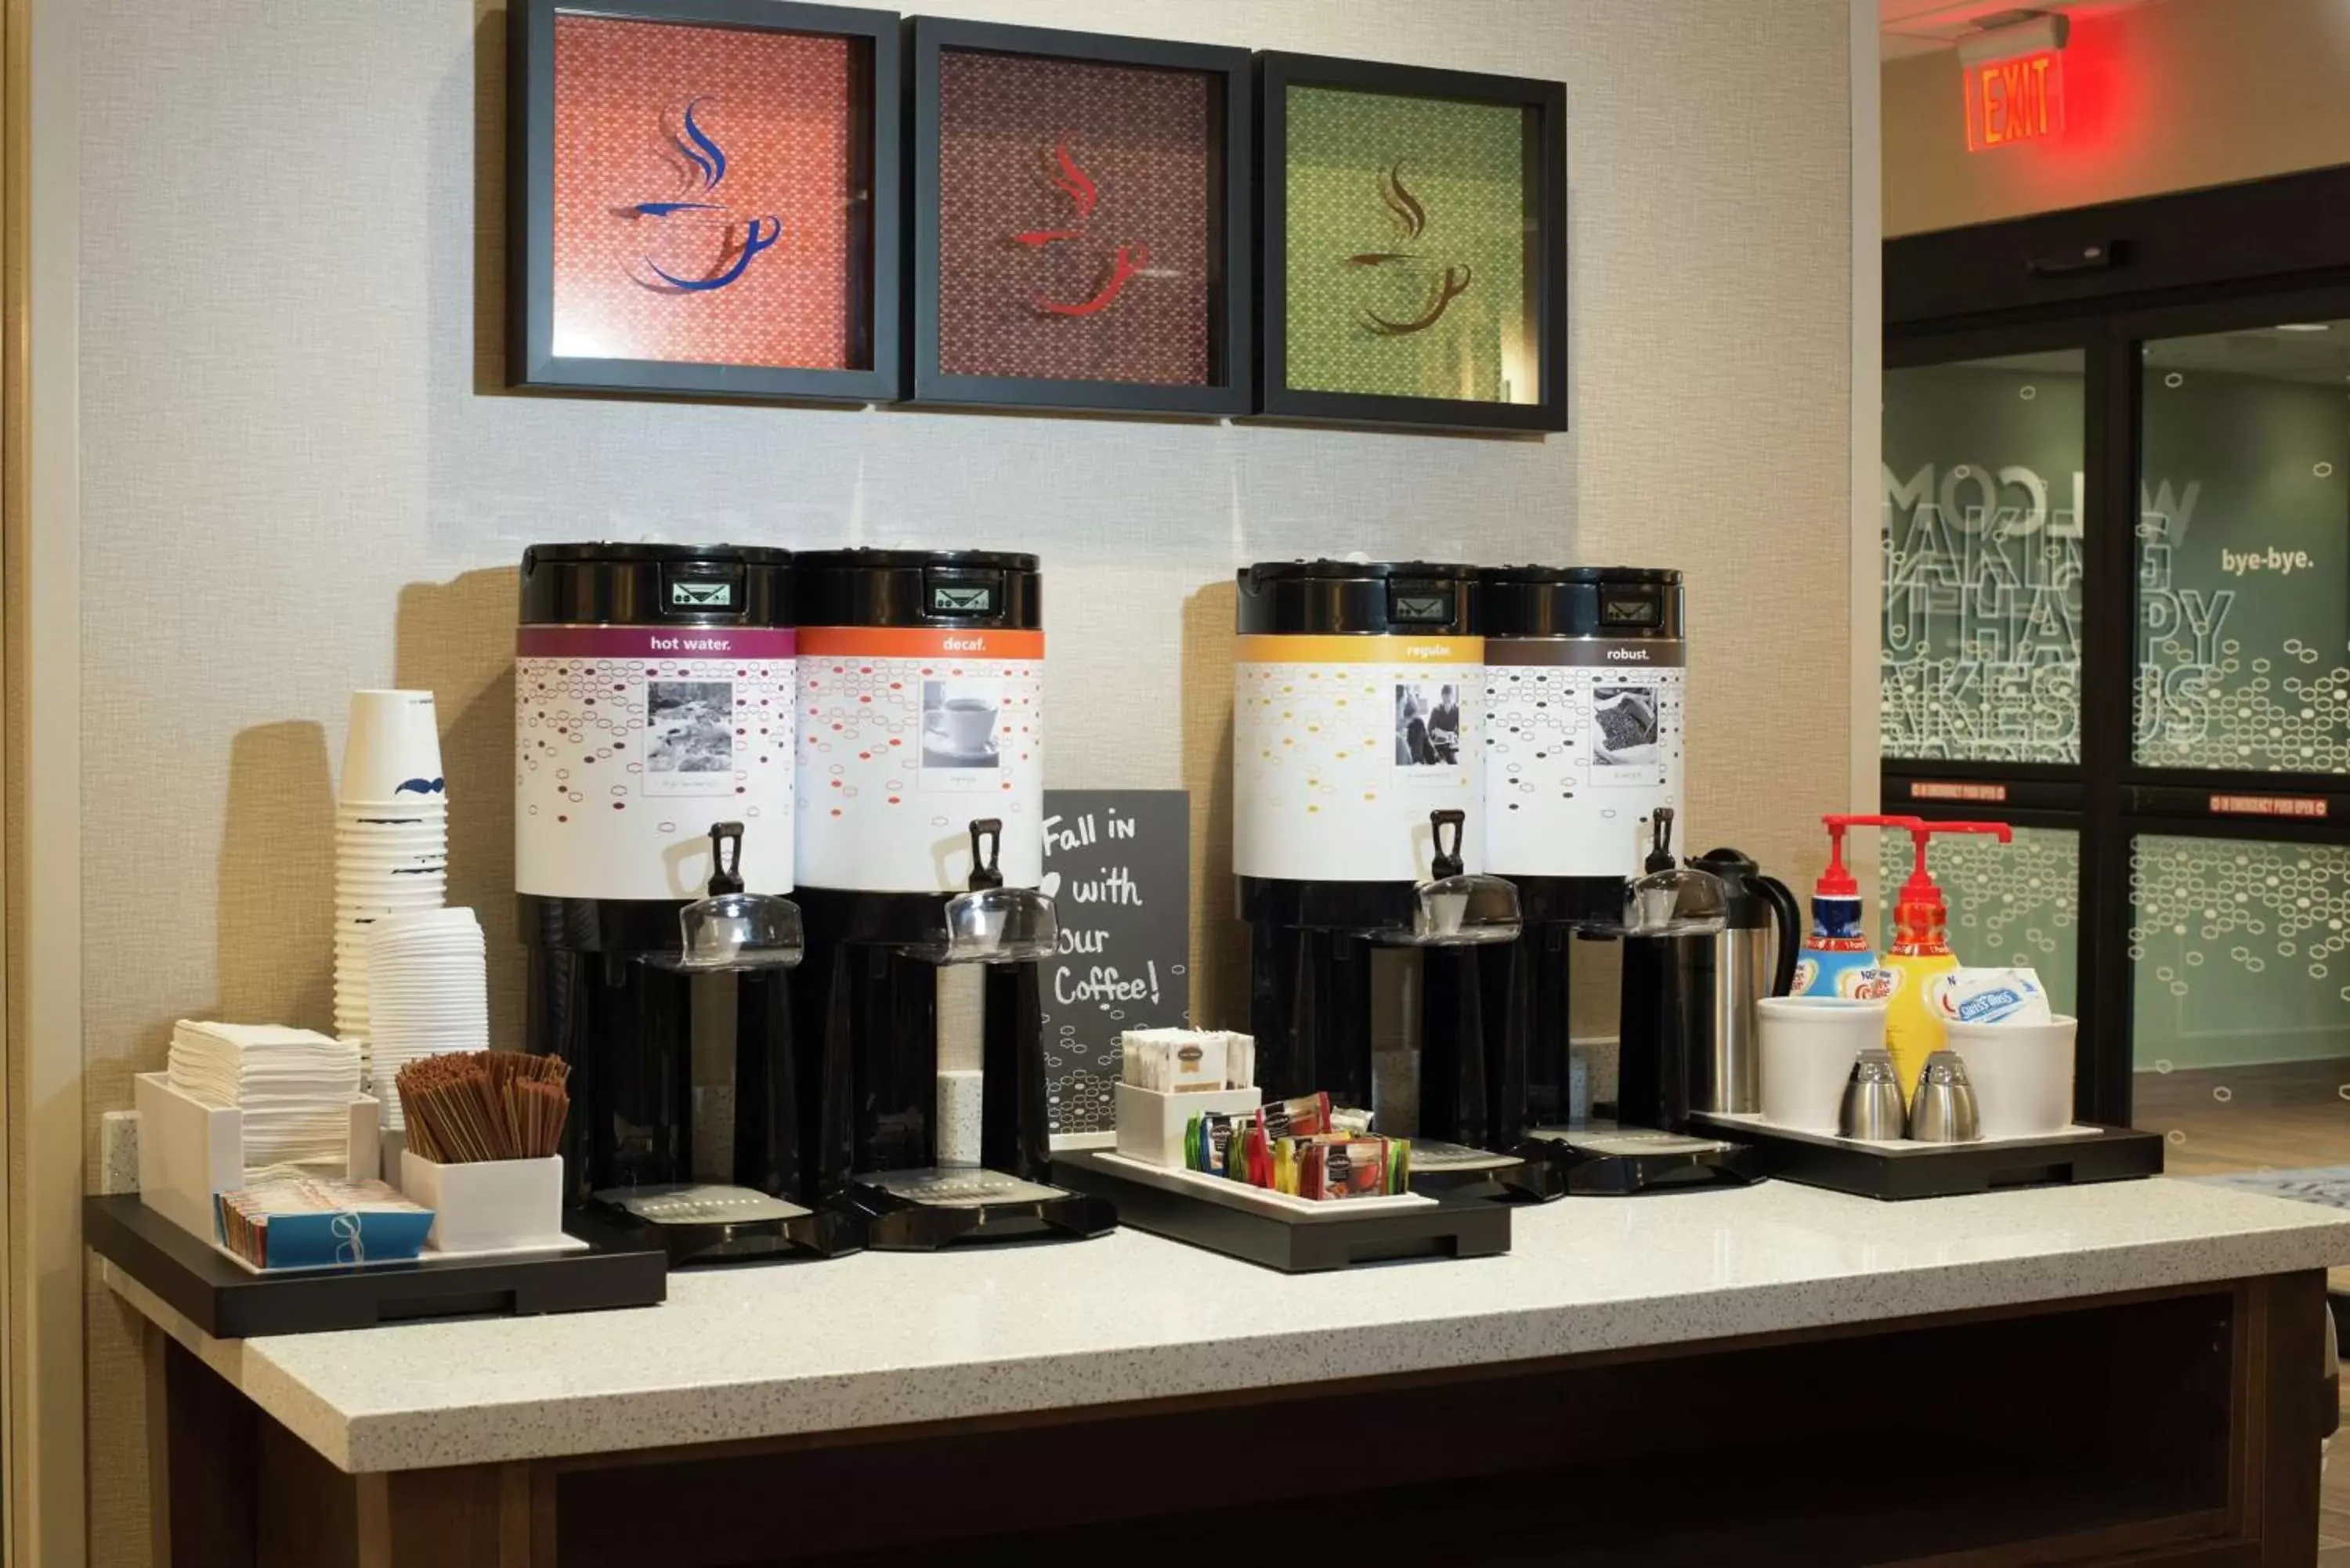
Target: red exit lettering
point(2015, 100)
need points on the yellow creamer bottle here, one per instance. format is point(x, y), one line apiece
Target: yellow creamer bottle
point(1920, 954)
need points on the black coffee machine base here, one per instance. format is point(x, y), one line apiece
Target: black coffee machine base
point(698, 1224)
point(900, 1217)
point(1600, 1159)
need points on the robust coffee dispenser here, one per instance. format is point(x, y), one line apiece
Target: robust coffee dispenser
point(1359, 822)
point(921, 845)
point(653, 780)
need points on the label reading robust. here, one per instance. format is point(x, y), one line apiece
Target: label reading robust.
point(1584, 744)
point(907, 736)
point(630, 742)
point(1342, 747)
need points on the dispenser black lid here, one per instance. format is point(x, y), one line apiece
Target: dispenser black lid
point(1582, 601)
point(656, 584)
point(920, 587)
point(1293, 598)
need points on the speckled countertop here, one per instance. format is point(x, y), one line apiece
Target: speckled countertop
point(879, 1339)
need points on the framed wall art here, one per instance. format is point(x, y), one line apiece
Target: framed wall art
point(1414, 245)
point(704, 197)
point(1081, 220)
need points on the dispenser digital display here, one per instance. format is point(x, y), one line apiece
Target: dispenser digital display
point(1640, 611)
point(962, 598)
point(1420, 606)
point(700, 595)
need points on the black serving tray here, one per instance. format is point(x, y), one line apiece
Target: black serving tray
point(1468, 1227)
point(1896, 1172)
point(620, 1269)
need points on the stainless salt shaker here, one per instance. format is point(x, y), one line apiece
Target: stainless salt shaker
point(1872, 1099)
point(1943, 1111)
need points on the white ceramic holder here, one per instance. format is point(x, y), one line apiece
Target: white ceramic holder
point(1151, 1125)
point(487, 1205)
point(190, 1152)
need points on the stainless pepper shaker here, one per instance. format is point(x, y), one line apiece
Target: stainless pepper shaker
point(1943, 1110)
point(1872, 1099)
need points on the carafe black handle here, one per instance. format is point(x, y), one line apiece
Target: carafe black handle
point(1788, 916)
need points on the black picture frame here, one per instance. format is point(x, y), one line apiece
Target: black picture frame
point(1231, 390)
point(1547, 241)
point(532, 362)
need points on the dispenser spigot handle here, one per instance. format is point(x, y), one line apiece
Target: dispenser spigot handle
point(986, 848)
point(1660, 844)
point(1448, 862)
point(1837, 882)
point(726, 858)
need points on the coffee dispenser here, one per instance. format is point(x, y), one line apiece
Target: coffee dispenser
point(921, 708)
point(653, 784)
point(1359, 822)
point(1583, 673)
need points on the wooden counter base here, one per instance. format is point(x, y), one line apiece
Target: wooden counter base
point(2178, 1428)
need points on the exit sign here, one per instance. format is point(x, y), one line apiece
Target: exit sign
point(2015, 100)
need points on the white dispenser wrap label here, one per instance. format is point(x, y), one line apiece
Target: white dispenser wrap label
point(908, 735)
point(1584, 744)
point(1343, 745)
point(630, 741)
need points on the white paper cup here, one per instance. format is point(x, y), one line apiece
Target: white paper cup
point(1807, 1046)
point(2021, 1074)
point(393, 750)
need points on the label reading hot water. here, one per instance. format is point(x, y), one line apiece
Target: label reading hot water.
point(630, 742)
point(1342, 747)
point(907, 736)
point(1583, 745)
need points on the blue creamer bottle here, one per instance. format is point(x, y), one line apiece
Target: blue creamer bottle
point(1836, 959)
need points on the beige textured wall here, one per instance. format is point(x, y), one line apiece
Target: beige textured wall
point(2171, 96)
point(299, 475)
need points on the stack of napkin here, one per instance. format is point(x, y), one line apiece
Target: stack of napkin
point(294, 1087)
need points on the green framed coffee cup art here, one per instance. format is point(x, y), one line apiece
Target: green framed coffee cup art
point(1414, 264)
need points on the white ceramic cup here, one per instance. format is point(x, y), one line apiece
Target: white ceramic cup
point(393, 750)
point(1807, 1045)
point(2021, 1074)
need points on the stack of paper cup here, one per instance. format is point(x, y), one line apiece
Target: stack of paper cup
point(427, 993)
point(391, 837)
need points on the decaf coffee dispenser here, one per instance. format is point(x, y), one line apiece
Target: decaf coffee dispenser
point(920, 706)
point(1359, 821)
point(1584, 708)
point(654, 784)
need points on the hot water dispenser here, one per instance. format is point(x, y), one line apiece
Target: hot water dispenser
point(653, 849)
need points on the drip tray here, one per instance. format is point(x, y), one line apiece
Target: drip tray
point(701, 1222)
point(1454, 1170)
point(923, 1210)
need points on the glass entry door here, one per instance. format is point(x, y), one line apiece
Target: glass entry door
point(1990, 519)
point(2117, 617)
point(2238, 896)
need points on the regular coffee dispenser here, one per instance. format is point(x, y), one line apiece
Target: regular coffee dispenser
point(1360, 823)
point(921, 708)
point(653, 861)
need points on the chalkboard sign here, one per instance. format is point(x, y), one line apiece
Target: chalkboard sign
point(1118, 866)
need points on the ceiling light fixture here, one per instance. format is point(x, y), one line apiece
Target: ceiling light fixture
point(2305, 326)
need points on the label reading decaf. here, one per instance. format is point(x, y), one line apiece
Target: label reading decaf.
point(907, 735)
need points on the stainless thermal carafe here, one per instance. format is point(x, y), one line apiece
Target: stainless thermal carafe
point(1753, 956)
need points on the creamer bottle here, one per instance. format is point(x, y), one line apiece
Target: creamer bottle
point(1836, 959)
point(1920, 955)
